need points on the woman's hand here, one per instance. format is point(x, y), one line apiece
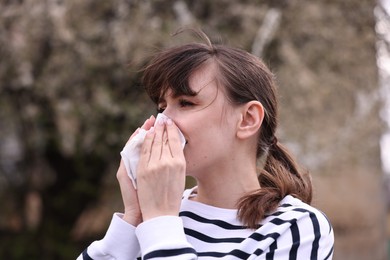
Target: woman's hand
point(132, 213)
point(161, 172)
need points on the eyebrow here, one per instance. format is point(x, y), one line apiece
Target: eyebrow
point(163, 100)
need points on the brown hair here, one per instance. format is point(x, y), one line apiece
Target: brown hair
point(245, 78)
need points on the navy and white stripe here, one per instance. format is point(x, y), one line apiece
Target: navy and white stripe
point(294, 231)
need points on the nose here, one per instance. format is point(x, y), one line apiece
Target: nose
point(169, 113)
point(169, 116)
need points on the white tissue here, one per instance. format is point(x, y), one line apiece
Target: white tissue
point(131, 151)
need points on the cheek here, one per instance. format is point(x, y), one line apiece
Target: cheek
point(191, 126)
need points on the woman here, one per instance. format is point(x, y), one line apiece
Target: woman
point(224, 102)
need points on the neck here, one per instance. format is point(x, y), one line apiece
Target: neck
point(225, 187)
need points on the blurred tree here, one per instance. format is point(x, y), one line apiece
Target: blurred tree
point(70, 97)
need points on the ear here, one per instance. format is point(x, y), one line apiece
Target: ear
point(252, 115)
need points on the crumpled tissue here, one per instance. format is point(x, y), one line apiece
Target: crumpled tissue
point(131, 151)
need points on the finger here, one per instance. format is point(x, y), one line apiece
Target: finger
point(134, 134)
point(166, 150)
point(148, 123)
point(156, 150)
point(146, 148)
point(174, 139)
point(146, 126)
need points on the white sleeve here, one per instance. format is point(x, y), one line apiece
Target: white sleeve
point(120, 242)
point(164, 238)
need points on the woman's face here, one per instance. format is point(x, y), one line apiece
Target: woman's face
point(207, 121)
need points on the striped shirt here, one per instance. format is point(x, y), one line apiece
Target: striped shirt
point(294, 231)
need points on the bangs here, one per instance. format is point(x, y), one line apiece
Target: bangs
point(171, 69)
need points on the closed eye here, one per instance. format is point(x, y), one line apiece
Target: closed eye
point(181, 103)
point(185, 103)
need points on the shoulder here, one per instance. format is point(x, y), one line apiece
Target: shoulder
point(291, 208)
point(305, 225)
point(298, 214)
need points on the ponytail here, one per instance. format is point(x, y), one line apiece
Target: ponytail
point(280, 177)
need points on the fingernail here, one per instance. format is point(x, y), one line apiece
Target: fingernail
point(151, 130)
point(169, 121)
point(161, 121)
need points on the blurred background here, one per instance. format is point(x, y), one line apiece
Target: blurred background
point(70, 96)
